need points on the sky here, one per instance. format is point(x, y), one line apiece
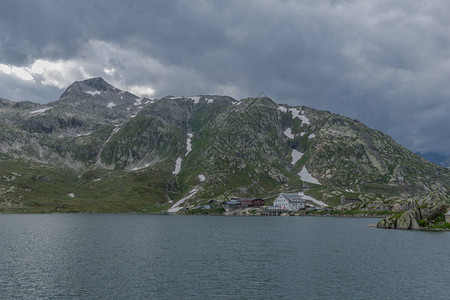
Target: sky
point(383, 62)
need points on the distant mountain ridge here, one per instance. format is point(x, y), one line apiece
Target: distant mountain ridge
point(98, 148)
point(438, 159)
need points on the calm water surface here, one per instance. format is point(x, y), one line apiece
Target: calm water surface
point(122, 256)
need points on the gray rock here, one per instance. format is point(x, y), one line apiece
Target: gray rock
point(431, 207)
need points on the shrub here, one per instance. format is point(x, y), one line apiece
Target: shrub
point(423, 223)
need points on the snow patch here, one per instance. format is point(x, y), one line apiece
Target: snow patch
point(282, 109)
point(189, 144)
point(177, 166)
point(97, 179)
point(113, 133)
point(306, 197)
point(304, 119)
point(40, 111)
point(302, 133)
point(311, 136)
point(195, 99)
point(71, 195)
point(202, 177)
point(306, 176)
point(296, 155)
point(297, 114)
point(139, 168)
point(210, 101)
point(93, 93)
point(117, 128)
point(84, 134)
point(111, 105)
point(176, 207)
point(237, 102)
point(138, 101)
point(288, 133)
point(349, 190)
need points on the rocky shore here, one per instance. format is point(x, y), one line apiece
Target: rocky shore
point(428, 213)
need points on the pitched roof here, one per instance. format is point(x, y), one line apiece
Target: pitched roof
point(246, 199)
point(232, 202)
point(293, 197)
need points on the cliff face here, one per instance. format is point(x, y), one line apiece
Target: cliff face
point(162, 149)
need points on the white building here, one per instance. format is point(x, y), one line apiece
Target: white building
point(290, 202)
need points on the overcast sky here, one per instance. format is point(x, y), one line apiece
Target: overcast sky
point(385, 63)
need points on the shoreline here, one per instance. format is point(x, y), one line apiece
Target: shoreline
point(356, 216)
point(404, 229)
point(197, 214)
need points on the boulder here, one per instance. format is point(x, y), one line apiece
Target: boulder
point(429, 208)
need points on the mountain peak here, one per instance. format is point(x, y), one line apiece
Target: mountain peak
point(91, 86)
point(96, 83)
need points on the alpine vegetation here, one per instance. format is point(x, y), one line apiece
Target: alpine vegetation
point(102, 149)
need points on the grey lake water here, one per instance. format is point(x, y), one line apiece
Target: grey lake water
point(129, 256)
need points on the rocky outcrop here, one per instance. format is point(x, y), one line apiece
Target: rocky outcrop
point(426, 210)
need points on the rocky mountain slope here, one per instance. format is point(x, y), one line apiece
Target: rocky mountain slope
point(102, 149)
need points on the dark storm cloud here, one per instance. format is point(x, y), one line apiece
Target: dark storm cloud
point(19, 90)
point(385, 63)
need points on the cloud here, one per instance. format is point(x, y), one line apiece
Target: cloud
point(143, 91)
point(125, 68)
point(20, 73)
point(385, 63)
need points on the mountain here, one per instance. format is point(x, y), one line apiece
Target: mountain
point(445, 163)
point(98, 148)
point(438, 159)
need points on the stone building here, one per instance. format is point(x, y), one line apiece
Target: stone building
point(347, 201)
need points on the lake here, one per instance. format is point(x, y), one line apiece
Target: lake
point(133, 256)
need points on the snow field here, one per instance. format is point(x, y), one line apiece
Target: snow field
point(288, 133)
point(306, 197)
point(296, 155)
point(189, 144)
point(282, 109)
point(40, 111)
point(93, 93)
point(139, 168)
point(306, 176)
point(299, 114)
point(176, 207)
point(177, 166)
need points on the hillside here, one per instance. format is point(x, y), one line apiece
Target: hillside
point(102, 149)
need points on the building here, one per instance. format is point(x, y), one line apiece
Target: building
point(232, 205)
point(345, 201)
point(289, 202)
point(242, 203)
point(250, 202)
